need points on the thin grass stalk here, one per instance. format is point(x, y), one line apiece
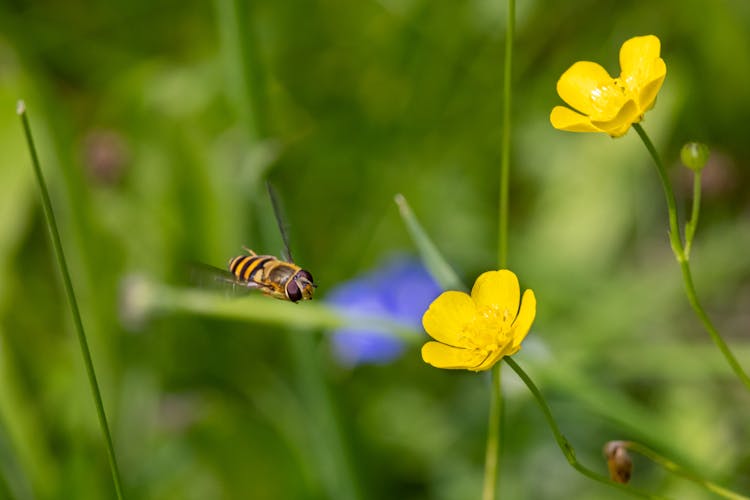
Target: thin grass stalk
point(495, 430)
point(438, 267)
point(68, 285)
point(502, 234)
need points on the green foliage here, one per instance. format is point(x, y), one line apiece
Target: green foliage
point(156, 124)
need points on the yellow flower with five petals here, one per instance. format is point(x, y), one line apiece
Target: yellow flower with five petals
point(474, 332)
point(606, 104)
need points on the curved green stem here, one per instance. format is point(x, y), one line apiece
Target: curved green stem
point(491, 471)
point(563, 443)
point(68, 284)
point(674, 229)
point(682, 258)
point(687, 278)
point(680, 471)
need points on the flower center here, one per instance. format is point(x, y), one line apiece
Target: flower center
point(608, 98)
point(489, 330)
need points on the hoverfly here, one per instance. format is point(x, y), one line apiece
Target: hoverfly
point(281, 279)
point(273, 276)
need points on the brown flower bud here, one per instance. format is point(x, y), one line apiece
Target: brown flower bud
point(618, 461)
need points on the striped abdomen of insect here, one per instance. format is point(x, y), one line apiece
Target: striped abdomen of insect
point(274, 277)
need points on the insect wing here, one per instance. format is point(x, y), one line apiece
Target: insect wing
point(210, 277)
point(287, 254)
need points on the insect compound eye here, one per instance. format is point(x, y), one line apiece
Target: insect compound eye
point(305, 275)
point(293, 291)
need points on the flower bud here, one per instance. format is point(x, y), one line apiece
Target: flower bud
point(694, 155)
point(618, 461)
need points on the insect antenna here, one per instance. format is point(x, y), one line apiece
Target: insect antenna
point(279, 221)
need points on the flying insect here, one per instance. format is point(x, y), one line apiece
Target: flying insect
point(278, 278)
point(275, 277)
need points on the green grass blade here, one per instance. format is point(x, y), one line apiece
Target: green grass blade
point(68, 284)
point(431, 256)
point(143, 298)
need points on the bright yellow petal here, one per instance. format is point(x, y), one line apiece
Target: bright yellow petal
point(580, 86)
point(638, 54)
point(620, 131)
point(444, 356)
point(648, 90)
point(563, 118)
point(525, 318)
point(643, 71)
point(627, 115)
point(446, 317)
point(512, 350)
point(494, 358)
point(497, 289)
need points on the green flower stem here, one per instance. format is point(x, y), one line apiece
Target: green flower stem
point(493, 436)
point(68, 284)
point(494, 431)
point(682, 258)
point(680, 471)
point(687, 278)
point(693, 222)
point(563, 443)
point(502, 237)
point(674, 230)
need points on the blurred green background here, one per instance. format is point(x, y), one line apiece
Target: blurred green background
point(156, 124)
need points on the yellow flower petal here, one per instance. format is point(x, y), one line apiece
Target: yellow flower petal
point(446, 317)
point(497, 289)
point(588, 88)
point(620, 131)
point(619, 124)
point(525, 318)
point(637, 56)
point(643, 71)
point(563, 118)
point(494, 358)
point(444, 356)
point(647, 95)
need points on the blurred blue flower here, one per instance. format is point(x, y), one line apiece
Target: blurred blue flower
point(400, 291)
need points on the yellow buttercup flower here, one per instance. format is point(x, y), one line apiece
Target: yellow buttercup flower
point(475, 332)
point(606, 104)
